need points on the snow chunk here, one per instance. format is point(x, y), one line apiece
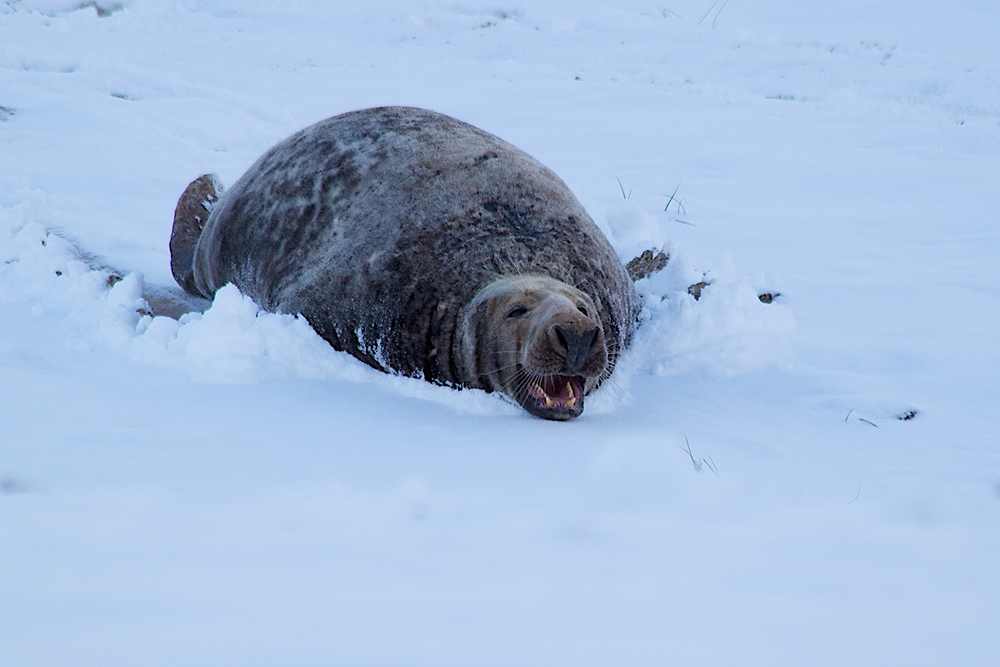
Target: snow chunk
point(234, 341)
point(632, 229)
point(726, 331)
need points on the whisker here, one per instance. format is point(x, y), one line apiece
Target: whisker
point(503, 368)
point(522, 386)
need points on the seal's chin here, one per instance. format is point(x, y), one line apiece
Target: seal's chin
point(558, 397)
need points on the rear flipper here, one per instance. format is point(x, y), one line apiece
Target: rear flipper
point(190, 216)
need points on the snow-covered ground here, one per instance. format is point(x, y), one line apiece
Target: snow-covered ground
point(227, 490)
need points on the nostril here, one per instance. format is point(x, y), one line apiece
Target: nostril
point(561, 337)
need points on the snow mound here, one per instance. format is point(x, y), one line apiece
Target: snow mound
point(632, 229)
point(231, 342)
point(727, 331)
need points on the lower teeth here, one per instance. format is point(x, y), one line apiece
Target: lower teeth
point(538, 392)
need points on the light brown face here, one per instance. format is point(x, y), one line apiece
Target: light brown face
point(540, 341)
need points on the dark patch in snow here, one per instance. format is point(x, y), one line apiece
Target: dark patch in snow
point(6, 113)
point(10, 485)
point(781, 97)
point(122, 96)
point(696, 289)
point(768, 297)
point(908, 415)
point(104, 9)
point(885, 52)
point(496, 17)
point(646, 264)
point(49, 68)
point(506, 14)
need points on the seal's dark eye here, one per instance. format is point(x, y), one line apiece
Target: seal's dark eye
point(582, 309)
point(517, 311)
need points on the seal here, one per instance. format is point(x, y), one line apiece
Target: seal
point(423, 246)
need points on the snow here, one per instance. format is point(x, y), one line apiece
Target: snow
point(226, 489)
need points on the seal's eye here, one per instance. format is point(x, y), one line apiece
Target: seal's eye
point(583, 309)
point(517, 311)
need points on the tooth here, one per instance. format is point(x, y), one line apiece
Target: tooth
point(572, 396)
point(548, 401)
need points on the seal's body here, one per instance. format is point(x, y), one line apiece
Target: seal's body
point(400, 234)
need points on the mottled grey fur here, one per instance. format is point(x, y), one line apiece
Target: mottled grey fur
point(380, 226)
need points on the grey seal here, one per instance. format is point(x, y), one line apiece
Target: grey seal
point(423, 246)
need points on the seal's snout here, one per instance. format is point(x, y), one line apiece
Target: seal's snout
point(549, 346)
point(566, 357)
point(575, 342)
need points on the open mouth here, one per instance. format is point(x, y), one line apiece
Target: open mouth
point(558, 397)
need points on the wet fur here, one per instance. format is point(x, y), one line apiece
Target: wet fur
point(383, 226)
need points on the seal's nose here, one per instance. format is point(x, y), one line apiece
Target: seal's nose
point(575, 343)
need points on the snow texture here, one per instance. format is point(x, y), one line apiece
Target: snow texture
point(813, 480)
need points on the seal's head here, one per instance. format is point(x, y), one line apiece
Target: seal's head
point(539, 341)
